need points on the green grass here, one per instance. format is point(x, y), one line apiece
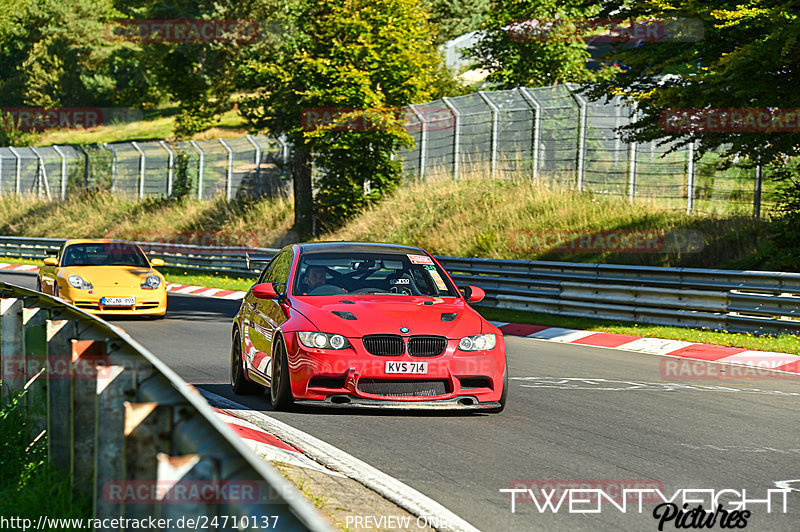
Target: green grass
point(784, 343)
point(155, 125)
point(30, 487)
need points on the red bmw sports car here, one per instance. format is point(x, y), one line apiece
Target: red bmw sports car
point(365, 325)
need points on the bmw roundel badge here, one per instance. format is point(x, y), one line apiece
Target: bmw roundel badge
point(403, 329)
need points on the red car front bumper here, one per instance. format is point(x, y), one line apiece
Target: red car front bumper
point(353, 377)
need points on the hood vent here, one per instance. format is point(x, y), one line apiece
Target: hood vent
point(344, 314)
point(449, 316)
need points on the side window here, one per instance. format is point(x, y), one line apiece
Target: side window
point(279, 271)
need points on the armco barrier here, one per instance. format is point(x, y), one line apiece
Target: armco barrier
point(732, 300)
point(130, 432)
point(752, 301)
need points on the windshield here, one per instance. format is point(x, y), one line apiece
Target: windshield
point(104, 254)
point(321, 274)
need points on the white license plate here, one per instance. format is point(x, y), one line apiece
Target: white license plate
point(407, 367)
point(117, 301)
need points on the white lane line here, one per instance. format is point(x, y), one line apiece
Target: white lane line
point(336, 459)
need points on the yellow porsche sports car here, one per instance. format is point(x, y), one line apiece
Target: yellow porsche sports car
point(105, 277)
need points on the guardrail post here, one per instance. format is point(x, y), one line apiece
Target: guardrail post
point(757, 193)
point(142, 167)
point(59, 394)
point(170, 168)
point(86, 354)
point(173, 470)
point(35, 342)
point(495, 130)
point(423, 140)
point(690, 175)
point(148, 429)
point(64, 172)
point(11, 356)
point(582, 125)
point(201, 168)
point(114, 387)
point(229, 172)
point(537, 131)
point(456, 135)
point(18, 172)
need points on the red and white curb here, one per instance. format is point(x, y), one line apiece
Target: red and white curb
point(205, 292)
point(19, 267)
point(762, 360)
point(267, 445)
point(326, 455)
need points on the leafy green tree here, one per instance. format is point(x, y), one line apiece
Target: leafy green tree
point(55, 53)
point(453, 18)
point(729, 56)
point(362, 58)
point(516, 51)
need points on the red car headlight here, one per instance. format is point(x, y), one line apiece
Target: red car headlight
point(321, 340)
point(478, 342)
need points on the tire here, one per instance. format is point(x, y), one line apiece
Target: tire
point(503, 396)
point(280, 391)
point(239, 384)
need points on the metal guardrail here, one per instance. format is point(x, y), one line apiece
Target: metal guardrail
point(751, 301)
point(119, 421)
point(748, 301)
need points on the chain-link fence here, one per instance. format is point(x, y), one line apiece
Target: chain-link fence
point(550, 135)
point(253, 165)
point(553, 135)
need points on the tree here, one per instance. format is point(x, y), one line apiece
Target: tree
point(453, 18)
point(733, 57)
point(518, 48)
point(356, 62)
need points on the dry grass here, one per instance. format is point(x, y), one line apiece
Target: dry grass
point(478, 217)
point(97, 215)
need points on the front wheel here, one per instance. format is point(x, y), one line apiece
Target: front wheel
point(280, 392)
point(239, 384)
point(503, 396)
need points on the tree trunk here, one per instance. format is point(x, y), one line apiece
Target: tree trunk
point(303, 195)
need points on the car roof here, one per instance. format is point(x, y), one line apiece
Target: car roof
point(96, 241)
point(356, 247)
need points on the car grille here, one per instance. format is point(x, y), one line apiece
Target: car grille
point(404, 388)
point(384, 344)
point(392, 345)
point(426, 346)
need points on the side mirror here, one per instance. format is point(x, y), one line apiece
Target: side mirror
point(156, 263)
point(473, 294)
point(51, 261)
point(264, 291)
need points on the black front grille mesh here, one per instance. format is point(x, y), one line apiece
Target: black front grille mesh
point(404, 388)
point(426, 346)
point(388, 345)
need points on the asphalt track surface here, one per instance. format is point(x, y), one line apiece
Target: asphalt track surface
point(575, 413)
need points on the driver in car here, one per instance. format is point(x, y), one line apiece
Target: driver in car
point(313, 278)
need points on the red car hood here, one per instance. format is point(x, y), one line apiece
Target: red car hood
point(387, 314)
